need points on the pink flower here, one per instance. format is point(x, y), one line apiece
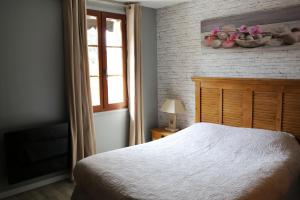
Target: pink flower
point(208, 40)
point(255, 30)
point(233, 36)
point(228, 44)
point(243, 29)
point(215, 31)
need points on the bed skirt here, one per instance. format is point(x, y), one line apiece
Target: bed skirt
point(293, 194)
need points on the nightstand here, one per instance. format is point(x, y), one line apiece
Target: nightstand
point(158, 133)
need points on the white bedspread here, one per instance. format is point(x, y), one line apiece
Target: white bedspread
point(202, 162)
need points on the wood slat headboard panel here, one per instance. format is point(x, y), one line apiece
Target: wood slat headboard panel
point(272, 104)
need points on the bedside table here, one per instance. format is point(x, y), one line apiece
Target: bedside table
point(158, 133)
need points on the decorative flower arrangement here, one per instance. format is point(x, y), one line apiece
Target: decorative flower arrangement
point(229, 36)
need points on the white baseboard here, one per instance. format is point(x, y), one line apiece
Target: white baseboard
point(32, 186)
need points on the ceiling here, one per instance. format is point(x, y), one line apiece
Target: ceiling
point(156, 3)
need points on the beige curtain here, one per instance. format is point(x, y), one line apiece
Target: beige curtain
point(133, 16)
point(77, 78)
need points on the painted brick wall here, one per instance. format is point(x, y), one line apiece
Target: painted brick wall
point(180, 55)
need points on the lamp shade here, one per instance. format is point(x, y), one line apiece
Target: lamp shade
point(172, 106)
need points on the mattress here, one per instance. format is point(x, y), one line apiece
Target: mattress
point(204, 161)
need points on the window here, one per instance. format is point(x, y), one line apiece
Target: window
point(107, 60)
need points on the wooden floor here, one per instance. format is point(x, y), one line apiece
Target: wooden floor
point(56, 191)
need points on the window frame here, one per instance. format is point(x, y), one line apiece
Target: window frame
point(102, 57)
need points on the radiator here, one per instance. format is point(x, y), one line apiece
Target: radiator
point(35, 152)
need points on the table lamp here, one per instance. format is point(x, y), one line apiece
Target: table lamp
point(173, 107)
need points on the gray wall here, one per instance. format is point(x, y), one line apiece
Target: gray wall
point(111, 130)
point(149, 68)
point(31, 66)
point(180, 55)
point(105, 7)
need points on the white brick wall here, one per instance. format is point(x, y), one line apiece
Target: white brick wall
point(180, 55)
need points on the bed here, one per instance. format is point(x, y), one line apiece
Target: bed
point(238, 148)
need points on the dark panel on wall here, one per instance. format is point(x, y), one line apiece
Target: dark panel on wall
point(35, 152)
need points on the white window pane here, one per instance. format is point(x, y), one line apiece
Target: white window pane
point(92, 30)
point(93, 61)
point(95, 90)
point(115, 89)
point(113, 32)
point(114, 61)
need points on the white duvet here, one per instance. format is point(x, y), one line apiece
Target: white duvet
point(202, 162)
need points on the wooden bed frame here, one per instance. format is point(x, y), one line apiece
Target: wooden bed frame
point(272, 104)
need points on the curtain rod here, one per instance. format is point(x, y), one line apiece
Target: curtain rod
point(108, 3)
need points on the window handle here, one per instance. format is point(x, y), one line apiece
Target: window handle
point(104, 72)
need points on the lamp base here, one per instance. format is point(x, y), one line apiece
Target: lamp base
point(172, 124)
point(171, 129)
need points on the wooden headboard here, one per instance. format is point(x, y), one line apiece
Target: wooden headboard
point(272, 104)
